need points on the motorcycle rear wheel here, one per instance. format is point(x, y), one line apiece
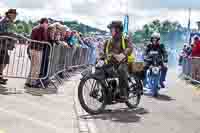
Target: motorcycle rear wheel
point(135, 101)
point(134, 105)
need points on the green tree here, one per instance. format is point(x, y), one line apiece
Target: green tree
point(138, 36)
point(146, 31)
point(170, 31)
point(26, 27)
point(155, 26)
point(20, 28)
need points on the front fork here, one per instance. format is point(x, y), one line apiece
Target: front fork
point(154, 82)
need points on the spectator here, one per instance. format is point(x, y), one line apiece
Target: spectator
point(5, 26)
point(80, 40)
point(51, 34)
point(73, 43)
point(59, 37)
point(73, 40)
point(68, 37)
point(38, 64)
point(181, 56)
point(61, 41)
point(196, 47)
point(185, 47)
point(99, 47)
point(195, 61)
point(185, 52)
point(92, 45)
point(60, 34)
point(189, 50)
point(45, 56)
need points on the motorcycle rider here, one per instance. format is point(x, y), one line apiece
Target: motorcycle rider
point(119, 50)
point(160, 48)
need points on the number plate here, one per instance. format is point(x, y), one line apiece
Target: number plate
point(153, 52)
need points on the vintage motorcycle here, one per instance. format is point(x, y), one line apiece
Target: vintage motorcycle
point(102, 88)
point(154, 72)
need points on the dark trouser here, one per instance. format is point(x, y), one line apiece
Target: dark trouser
point(123, 79)
point(45, 62)
point(195, 73)
point(180, 61)
point(163, 74)
point(2, 67)
point(4, 60)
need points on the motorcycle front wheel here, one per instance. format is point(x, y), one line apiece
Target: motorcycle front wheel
point(91, 96)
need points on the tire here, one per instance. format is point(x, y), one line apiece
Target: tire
point(132, 106)
point(137, 98)
point(83, 103)
point(155, 88)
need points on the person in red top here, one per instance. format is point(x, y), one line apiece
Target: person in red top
point(195, 61)
point(196, 47)
point(37, 53)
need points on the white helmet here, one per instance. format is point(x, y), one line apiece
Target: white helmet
point(155, 35)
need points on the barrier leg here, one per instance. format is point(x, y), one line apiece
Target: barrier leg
point(43, 86)
point(58, 79)
point(54, 85)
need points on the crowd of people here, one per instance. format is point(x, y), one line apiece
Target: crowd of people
point(52, 33)
point(192, 50)
point(189, 58)
point(58, 34)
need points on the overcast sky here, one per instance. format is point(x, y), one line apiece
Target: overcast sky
point(99, 13)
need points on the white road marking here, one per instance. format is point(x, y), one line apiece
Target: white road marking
point(85, 125)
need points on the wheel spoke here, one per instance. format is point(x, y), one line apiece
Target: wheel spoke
point(91, 101)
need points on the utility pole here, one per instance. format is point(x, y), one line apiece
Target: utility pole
point(189, 24)
point(189, 17)
point(126, 20)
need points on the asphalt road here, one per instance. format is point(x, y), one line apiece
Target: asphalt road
point(176, 110)
point(29, 113)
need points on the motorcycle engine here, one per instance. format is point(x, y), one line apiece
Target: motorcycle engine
point(113, 83)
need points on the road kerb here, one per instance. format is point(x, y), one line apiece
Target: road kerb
point(82, 123)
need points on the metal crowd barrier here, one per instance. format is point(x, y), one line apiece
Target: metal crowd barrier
point(36, 61)
point(190, 68)
point(64, 58)
point(22, 59)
